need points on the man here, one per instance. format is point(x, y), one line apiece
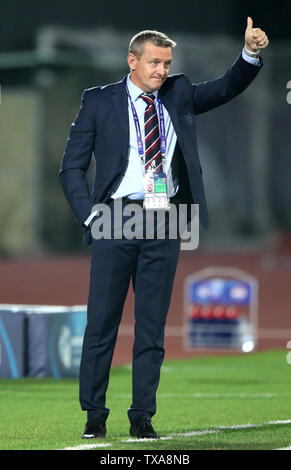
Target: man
point(141, 126)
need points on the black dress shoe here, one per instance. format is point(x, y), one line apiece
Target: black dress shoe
point(142, 429)
point(94, 429)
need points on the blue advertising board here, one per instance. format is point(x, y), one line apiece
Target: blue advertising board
point(12, 344)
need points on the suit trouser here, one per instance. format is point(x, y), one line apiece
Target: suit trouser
point(151, 264)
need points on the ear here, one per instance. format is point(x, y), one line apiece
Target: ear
point(131, 60)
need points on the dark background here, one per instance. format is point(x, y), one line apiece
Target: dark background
point(20, 20)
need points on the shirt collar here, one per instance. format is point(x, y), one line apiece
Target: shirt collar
point(135, 91)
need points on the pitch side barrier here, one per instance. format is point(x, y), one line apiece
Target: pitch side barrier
point(41, 340)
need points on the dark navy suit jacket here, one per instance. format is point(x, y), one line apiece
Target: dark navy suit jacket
point(102, 128)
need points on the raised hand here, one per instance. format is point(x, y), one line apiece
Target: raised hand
point(255, 38)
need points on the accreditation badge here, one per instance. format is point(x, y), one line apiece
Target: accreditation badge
point(155, 191)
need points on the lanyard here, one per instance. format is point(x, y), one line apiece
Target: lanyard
point(138, 132)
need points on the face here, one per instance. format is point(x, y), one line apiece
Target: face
point(151, 70)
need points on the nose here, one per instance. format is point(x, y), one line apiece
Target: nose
point(161, 69)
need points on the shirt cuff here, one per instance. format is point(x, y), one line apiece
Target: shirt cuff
point(91, 216)
point(251, 60)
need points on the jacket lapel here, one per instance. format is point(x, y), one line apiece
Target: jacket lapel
point(120, 104)
point(173, 115)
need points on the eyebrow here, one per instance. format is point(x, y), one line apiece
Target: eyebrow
point(160, 60)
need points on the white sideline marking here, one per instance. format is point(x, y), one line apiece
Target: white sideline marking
point(186, 434)
point(171, 436)
point(88, 446)
point(285, 448)
point(205, 395)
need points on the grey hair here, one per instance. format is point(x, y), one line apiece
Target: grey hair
point(136, 45)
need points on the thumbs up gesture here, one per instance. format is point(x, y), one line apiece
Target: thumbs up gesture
point(255, 38)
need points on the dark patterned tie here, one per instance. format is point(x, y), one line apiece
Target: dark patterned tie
point(153, 155)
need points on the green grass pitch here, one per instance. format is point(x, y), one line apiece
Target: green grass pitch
point(223, 402)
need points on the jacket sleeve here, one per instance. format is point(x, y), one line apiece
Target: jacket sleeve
point(76, 159)
point(210, 94)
